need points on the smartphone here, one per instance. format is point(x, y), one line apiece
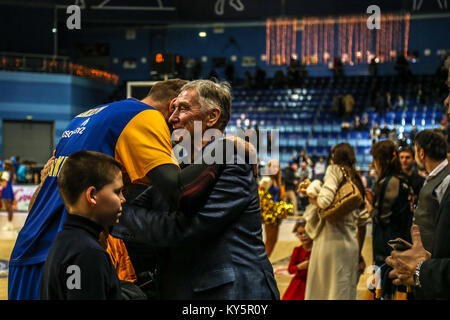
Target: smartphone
point(399, 245)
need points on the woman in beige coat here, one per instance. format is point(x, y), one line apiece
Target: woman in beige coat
point(336, 252)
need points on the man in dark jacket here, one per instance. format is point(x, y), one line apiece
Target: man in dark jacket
point(214, 251)
point(431, 155)
point(428, 273)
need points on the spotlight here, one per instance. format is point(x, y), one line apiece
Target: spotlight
point(202, 34)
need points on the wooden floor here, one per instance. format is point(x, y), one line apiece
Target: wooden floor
point(282, 254)
point(6, 246)
point(280, 257)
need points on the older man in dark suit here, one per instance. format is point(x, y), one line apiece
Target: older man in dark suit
point(214, 250)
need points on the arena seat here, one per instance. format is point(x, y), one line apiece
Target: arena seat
point(304, 118)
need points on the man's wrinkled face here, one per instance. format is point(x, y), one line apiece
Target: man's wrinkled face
point(186, 110)
point(406, 160)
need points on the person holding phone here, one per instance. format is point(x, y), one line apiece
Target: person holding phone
point(391, 207)
point(392, 212)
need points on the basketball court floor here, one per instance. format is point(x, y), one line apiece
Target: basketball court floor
point(280, 256)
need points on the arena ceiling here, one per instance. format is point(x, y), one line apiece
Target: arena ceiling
point(116, 13)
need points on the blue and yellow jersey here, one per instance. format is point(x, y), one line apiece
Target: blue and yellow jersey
point(131, 131)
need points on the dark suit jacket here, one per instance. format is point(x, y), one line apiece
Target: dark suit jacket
point(217, 251)
point(435, 273)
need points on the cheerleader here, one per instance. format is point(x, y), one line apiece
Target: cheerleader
point(8, 177)
point(272, 185)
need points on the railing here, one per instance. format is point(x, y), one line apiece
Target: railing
point(26, 62)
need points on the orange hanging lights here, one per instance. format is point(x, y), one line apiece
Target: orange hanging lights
point(349, 38)
point(281, 40)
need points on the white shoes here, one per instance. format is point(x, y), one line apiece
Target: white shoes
point(8, 227)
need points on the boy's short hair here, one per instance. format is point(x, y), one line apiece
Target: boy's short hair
point(83, 169)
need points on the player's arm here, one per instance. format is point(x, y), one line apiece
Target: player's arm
point(144, 148)
point(158, 227)
point(190, 185)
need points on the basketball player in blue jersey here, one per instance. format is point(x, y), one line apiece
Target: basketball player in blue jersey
point(136, 134)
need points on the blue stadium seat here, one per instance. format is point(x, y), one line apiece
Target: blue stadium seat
point(301, 142)
point(364, 143)
point(336, 128)
point(313, 142)
point(317, 128)
point(331, 142)
point(368, 158)
point(360, 158)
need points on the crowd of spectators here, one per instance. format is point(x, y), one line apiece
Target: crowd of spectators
point(311, 167)
point(292, 77)
point(26, 171)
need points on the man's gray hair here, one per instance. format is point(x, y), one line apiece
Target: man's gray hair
point(213, 95)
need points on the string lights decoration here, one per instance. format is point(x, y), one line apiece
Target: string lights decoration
point(11, 63)
point(281, 40)
point(344, 37)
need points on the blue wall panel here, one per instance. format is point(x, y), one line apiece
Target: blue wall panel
point(48, 97)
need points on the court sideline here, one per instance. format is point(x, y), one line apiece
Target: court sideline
point(280, 257)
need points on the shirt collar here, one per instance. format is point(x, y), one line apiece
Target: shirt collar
point(77, 221)
point(439, 168)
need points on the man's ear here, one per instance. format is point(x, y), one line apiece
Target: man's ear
point(91, 195)
point(213, 117)
point(421, 154)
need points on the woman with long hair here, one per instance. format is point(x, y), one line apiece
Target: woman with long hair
point(8, 178)
point(391, 208)
point(336, 253)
